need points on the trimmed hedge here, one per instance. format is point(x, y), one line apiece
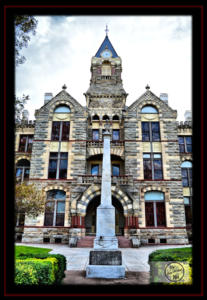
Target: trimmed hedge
point(25, 274)
point(157, 263)
point(44, 270)
point(173, 254)
point(60, 264)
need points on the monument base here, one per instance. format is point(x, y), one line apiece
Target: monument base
point(105, 264)
point(103, 271)
point(106, 243)
point(105, 257)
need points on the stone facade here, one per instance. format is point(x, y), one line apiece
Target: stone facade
point(106, 99)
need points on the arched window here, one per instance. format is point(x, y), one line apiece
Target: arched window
point(55, 208)
point(62, 109)
point(155, 209)
point(186, 169)
point(106, 69)
point(186, 164)
point(149, 109)
point(115, 118)
point(22, 170)
point(95, 118)
point(105, 117)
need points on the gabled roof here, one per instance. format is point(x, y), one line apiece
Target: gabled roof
point(148, 97)
point(106, 45)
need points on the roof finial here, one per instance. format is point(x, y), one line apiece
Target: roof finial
point(107, 30)
point(64, 87)
point(147, 87)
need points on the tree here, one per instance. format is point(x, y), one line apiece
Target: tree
point(29, 200)
point(19, 107)
point(24, 26)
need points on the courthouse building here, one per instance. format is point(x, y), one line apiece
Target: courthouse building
point(151, 155)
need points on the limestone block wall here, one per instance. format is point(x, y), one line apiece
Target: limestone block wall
point(132, 147)
point(39, 146)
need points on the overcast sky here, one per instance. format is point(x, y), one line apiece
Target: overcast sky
point(155, 50)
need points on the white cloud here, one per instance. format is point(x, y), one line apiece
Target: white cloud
point(154, 50)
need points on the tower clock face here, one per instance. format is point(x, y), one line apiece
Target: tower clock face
point(106, 54)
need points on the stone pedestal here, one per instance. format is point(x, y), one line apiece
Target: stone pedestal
point(105, 264)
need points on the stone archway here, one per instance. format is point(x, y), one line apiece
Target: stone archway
point(95, 190)
point(90, 217)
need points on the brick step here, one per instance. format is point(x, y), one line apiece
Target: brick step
point(87, 242)
point(124, 242)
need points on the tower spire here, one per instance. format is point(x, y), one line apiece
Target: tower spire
point(107, 30)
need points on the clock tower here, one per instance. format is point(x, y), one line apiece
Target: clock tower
point(106, 90)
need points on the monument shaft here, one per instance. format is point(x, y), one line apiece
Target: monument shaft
point(105, 260)
point(105, 217)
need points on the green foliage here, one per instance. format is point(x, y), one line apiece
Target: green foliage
point(29, 199)
point(24, 26)
point(46, 269)
point(175, 254)
point(33, 255)
point(61, 262)
point(25, 275)
point(19, 107)
point(157, 263)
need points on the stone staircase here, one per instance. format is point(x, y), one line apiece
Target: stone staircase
point(87, 242)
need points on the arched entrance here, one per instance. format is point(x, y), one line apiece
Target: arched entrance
point(90, 218)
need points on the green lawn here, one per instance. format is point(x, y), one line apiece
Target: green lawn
point(31, 250)
point(173, 254)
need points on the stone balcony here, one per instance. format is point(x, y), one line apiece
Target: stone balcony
point(96, 179)
point(96, 147)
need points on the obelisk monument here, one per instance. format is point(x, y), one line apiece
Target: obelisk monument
point(105, 260)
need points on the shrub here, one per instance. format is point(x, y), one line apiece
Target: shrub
point(25, 274)
point(175, 254)
point(61, 262)
point(46, 269)
point(157, 263)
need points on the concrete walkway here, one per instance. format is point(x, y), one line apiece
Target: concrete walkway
point(134, 260)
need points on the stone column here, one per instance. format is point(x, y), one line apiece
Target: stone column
point(105, 222)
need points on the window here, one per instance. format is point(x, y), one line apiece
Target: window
point(188, 210)
point(150, 132)
point(185, 144)
point(115, 170)
point(58, 165)
point(55, 208)
point(186, 170)
point(25, 143)
point(20, 219)
point(115, 118)
point(94, 170)
point(106, 69)
point(152, 166)
point(60, 131)
point(115, 135)
point(155, 209)
point(105, 117)
point(62, 109)
point(95, 133)
point(148, 109)
point(95, 118)
point(22, 170)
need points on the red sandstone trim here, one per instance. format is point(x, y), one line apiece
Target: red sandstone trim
point(119, 141)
